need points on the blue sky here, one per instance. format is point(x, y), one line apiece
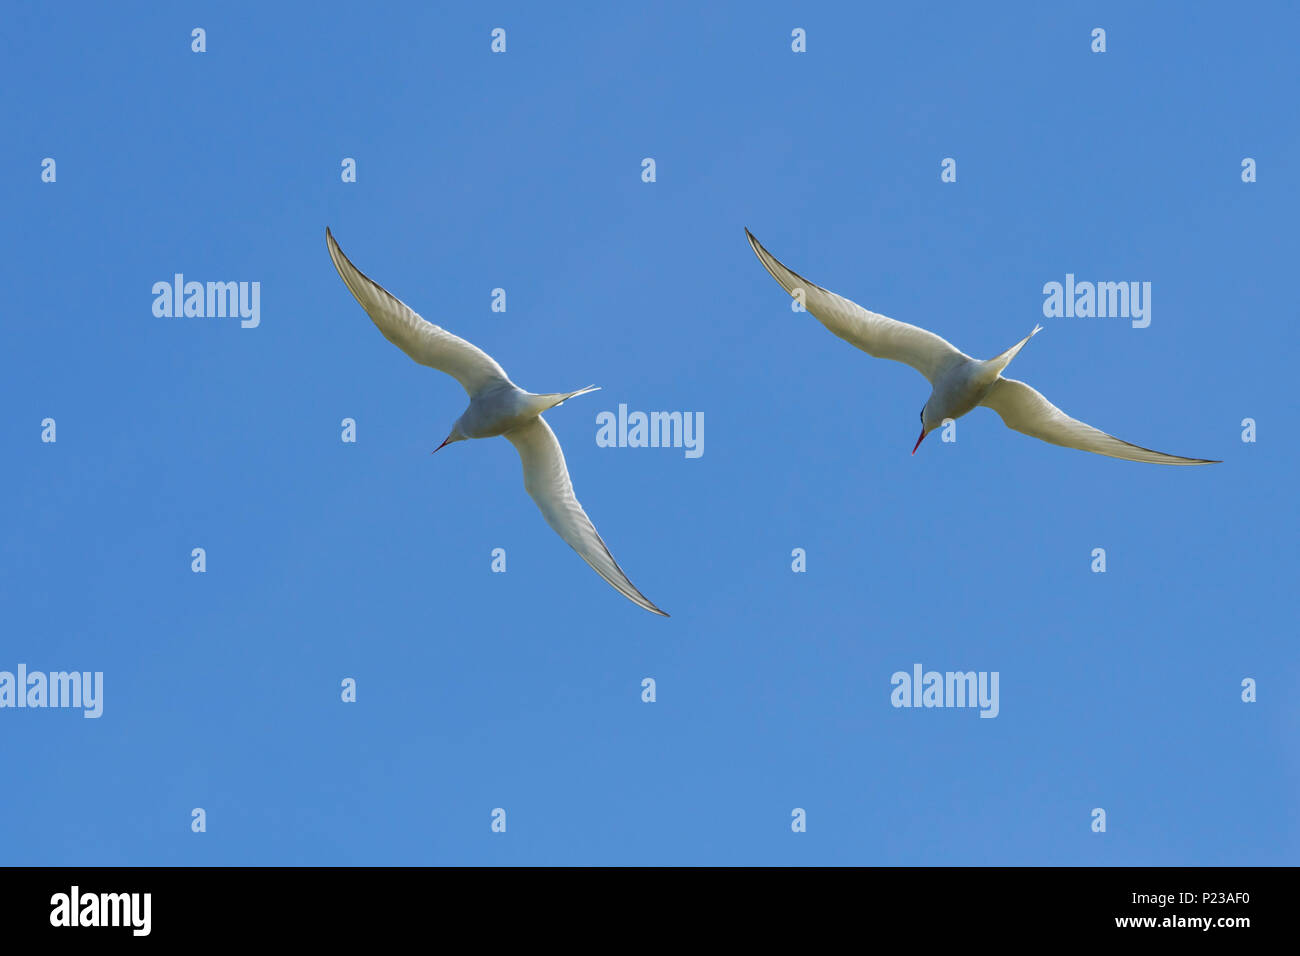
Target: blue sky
point(478, 690)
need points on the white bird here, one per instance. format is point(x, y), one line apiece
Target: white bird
point(496, 407)
point(960, 383)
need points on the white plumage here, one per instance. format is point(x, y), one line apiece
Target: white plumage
point(960, 383)
point(497, 407)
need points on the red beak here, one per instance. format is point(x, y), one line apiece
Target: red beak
point(442, 446)
point(918, 441)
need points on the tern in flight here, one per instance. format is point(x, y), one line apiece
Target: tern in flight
point(959, 382)
point(496, 407)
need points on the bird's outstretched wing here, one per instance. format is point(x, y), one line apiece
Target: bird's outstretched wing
point(875, 334)
point(421, 340)
point(546, 477)
point(1024, 409)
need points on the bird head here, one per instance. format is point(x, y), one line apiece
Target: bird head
point(926, 428)
point(455, 436)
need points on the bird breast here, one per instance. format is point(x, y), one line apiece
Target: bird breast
point(498, 411)
point(957, 392)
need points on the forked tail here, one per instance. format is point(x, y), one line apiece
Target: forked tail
point(559, 398)
point(996, 364)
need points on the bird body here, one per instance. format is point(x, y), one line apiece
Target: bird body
point(959, 383)
point(963, 384)
point(497, 406)
point(499, 409)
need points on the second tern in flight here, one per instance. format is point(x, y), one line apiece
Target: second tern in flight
point(960, 383)
point(497, 406)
